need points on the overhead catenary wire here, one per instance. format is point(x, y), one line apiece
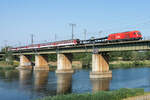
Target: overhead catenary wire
point(141, 22)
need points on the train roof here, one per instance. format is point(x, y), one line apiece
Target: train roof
point(44, 43)
point(125, 32)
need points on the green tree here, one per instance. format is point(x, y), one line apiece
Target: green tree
point(126, 55)
point(8, 57)
point(147, 53)
point(52, 57)
point(113, 56)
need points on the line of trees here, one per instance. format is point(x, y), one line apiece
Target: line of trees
point(115, 56)
point(8, 56)
point(130, 55)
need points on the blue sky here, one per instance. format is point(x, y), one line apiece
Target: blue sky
point(44, 18)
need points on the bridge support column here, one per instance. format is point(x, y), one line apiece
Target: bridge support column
point(25, 62)
point(64, 63)
point(100, 66)
point(41, 63)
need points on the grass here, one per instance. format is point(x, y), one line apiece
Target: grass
point(102, 95)
point(141, 97)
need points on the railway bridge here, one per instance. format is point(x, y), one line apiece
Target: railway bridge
point(100, 63)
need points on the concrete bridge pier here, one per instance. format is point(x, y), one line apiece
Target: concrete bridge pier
point(100, 66)
point(41, 62)
point(25, 62)
point(64, 63)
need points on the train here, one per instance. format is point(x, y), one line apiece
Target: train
point(131, 35)
point(114, 37)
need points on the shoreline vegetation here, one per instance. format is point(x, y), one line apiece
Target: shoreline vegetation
point(100, 95)
point(124, 59)
point(129, 64)
point(4, 65)
point(80, 64)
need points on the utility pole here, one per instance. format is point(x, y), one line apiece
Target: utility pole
point(72, 26)
point(5, 43)
point(19, 43)
point(55, 37)
point(100, 33)
point(85, 32)
point(32, 39)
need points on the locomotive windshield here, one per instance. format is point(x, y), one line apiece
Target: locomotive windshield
point(134, 33)
point(139, 33)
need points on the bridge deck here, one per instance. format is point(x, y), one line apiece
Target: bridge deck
point(100, 47)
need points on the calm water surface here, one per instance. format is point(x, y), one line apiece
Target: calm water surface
point(28, 85)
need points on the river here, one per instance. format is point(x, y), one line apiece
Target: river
point(28, 85)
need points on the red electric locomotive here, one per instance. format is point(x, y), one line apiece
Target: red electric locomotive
point(131, 35)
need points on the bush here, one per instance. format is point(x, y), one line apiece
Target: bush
point(102, 95)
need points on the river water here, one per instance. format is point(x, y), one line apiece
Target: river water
point(28, 85)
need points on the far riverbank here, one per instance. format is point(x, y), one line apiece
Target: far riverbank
point(129, 64)
point(80, 64)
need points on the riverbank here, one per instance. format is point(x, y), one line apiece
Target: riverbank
point(80, 64)
point(101, 95)
point(112, 64)
point(129, 64)
point(146, 96)
point(7, 66)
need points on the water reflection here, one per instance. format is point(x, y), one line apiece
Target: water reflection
point(25, 78)
point(100, 84)
point(64, 83)
point(11, 75)
point(2, 74)
point(37, 84)
point(40, 80)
